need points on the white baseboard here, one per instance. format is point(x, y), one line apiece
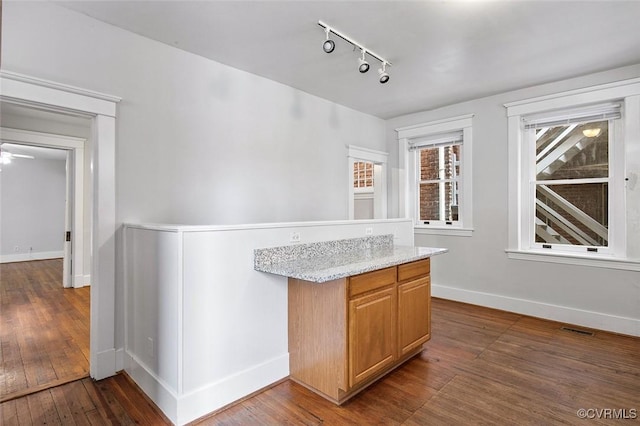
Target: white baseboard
point(186, 408)
point(232, 388)
point(156, 389)
point(590, 319)
point(80, 281)
point(120, 356)
point(103, 364)
point(25, 257)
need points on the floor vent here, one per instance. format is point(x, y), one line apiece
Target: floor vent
point(577, 331)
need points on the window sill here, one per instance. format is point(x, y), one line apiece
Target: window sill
point(575, 259)
point(449, 231)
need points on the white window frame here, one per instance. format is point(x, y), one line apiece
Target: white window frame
point(624, 249)
point(409, 189)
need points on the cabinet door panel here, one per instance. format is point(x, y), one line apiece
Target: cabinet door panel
point(372, 325)
point(414, 319)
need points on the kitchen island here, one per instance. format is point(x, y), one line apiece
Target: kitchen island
point(357, 309)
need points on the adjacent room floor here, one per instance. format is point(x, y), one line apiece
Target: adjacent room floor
point(44, 328)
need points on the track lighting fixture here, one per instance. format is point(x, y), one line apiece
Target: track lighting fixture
point(384, 75)
point(363, 66)
point(328, 44)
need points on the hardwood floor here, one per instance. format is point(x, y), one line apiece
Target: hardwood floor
point(44, 328)
point(481, 366)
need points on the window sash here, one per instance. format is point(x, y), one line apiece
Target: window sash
point(441, 182)
point(535, 183)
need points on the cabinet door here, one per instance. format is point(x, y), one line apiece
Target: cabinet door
point(372, 325)
point(414, 314)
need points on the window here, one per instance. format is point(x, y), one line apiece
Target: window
point(438, 168)
point(363, 176)
point(437, 173)
point(570, 165)
point(569, 158)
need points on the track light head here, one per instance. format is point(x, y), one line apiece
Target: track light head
point(328, 44)
point(364, 65)
point(384, 75)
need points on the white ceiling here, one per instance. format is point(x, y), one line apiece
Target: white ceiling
point(39, 153)
point(443, 52)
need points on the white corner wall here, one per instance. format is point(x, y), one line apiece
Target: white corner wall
point(477, 269)
point(32, 208)
point(203, 328)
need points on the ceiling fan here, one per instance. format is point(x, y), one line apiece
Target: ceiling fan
point(6, 157)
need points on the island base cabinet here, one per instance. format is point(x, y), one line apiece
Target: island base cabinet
point(347, 333)
point(371, 334)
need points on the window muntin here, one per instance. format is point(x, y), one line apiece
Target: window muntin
point(363, 175)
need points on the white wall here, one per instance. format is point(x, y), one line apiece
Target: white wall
point(477, 269)
point(32, 198)
point(197, 142)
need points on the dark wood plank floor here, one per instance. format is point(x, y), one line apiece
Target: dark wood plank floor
point(44, 328)
point(482, 366)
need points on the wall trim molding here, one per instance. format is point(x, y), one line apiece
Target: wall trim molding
point(182, 409)
point(26, 257)
point(590, 319)
point(220, 394)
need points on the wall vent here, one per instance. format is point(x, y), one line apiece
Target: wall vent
point(577, 331)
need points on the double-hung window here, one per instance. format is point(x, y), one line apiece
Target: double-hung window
point(438, 160)
point(571, 157)
point(570, 170)
point(437, 163)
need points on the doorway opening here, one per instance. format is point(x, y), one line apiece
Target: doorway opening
point(99, 110)
point(367, 183)
point(28, 230)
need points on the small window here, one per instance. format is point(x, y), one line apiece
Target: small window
point(438, 173)
point(438, 167)
point(363, 176)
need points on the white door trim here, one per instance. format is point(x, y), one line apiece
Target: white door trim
point(75, 181)
point(101, 108)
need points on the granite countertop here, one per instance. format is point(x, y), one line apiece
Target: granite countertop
point(334, 264)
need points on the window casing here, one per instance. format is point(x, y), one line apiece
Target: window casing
point(570, 197)
point(437, 164)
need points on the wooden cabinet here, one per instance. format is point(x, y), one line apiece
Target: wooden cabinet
point(414, 308)
point(372, 345)
point(345, 334)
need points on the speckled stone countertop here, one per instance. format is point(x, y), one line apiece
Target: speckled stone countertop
point(331, 260)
